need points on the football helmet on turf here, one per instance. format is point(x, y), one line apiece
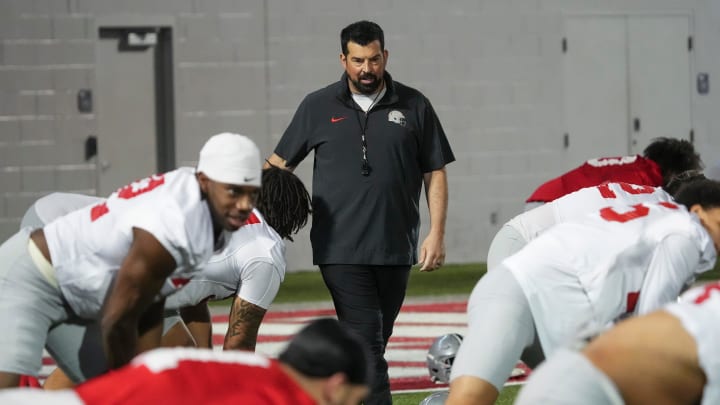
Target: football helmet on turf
point(441, 356)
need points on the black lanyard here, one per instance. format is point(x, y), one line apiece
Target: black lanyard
point(365, 168)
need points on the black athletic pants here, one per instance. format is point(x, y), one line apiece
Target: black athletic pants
point(367, 300)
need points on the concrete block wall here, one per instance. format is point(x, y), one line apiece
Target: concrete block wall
point(45, 57)
point(221, 73)
point(491, 68)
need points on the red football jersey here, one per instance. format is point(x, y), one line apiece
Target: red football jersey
point(195, 376)
point(628, 169)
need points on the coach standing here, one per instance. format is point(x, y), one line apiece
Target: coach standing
point(375, 141)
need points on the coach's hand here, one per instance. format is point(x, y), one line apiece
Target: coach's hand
point(432, 252)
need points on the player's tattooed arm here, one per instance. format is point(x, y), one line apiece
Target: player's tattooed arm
point(245, 319)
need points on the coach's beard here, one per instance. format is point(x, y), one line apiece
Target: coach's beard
point(367, 88)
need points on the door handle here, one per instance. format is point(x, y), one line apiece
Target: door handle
point(90, 147)
point(636, 124)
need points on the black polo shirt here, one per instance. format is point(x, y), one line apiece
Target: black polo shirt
point(370, 219)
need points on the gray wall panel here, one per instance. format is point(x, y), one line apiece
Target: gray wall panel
point(193, 129)
point(9, 130)
point(71, 78)
point(70, 27)
point(78, 178)
point(134, 6)
point(248, 49)
point(51, 6)
point(28, 27)
point(66, 53)
point(198, 50)
point(198, 27)
point(68, 152)
point(15, 78)
point(241, 26)
point(37, 179)
point(222, 87)
point(17, 204)
point(17, 7)
point(63, 102)
point(74, 130)
point(45, 153)
point(10, 155)
point(9, 226)
point(12, 103)
point(16, 52)
point(37, 130)
point(228, 6)
point(10, 180)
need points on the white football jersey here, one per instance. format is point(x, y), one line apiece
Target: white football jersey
point(574, 205)
point(251, 265)
point(88, 245)
point(699, 313)
point(55, 205)
point(620, 260)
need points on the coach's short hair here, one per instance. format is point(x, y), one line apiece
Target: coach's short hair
point(323, 348)
point(706, 193)
point(362, 33)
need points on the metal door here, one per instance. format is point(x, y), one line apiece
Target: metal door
point(134, 105)
point(596, 103)
point(627, 81)
point(659, 77)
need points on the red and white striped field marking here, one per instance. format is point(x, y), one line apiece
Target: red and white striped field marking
point(415, 329)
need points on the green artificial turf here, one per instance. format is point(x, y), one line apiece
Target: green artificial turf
point(507, 396)
point(308, 286)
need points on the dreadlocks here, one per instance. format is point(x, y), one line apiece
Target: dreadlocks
point(283, 201)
